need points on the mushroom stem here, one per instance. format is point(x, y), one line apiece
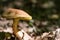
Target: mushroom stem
point(15, 28)
point(15, 23)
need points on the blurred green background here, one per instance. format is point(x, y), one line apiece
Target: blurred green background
point(39, 9)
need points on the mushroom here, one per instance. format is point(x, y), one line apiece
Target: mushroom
point(16, 15)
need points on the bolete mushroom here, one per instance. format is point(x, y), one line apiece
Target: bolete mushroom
point(16, 15)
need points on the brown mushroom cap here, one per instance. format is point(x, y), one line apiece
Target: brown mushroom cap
point(15, 13)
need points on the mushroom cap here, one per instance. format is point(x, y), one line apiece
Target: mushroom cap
point(16, 13)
